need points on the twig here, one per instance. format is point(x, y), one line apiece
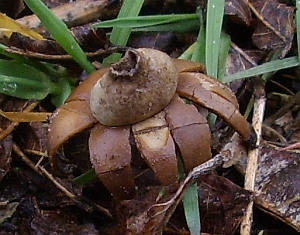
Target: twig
point(243, 54)
point(274, 132)
point(169, 206)
point(75, 13)
point(42, 171)
point(257, 120)
point(291, 147)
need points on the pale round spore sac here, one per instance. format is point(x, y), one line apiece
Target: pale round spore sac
point(139, 86)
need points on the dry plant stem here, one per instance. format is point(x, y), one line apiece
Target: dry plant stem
point(294, 100)
point(282, 86)
point(243, 54)
point(291, 147)
point(257, 120)
point(42, 171)
point(36, 152)
point(275, 133)
point(75, 13)
point(9, 129)
point(192, 177)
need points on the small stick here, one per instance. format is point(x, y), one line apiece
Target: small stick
point(75, 13)
point(243, 54)
point(257, 120)
point(169, 206)
point(42, 171)
point(290, 147)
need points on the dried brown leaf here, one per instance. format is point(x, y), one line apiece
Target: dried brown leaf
point(7, 210)
point(56, 222)
point(222, 204)
point(238, 8)
point(275, 26)
point(277, 185)
point(239, 60)
point(163, 41)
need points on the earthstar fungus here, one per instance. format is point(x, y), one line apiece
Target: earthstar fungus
point(143, 98)
point(135, 88)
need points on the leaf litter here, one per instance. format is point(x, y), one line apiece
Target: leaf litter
point(40, 207)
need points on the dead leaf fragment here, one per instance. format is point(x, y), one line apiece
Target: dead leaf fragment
point(8, 26)
point(90, 39)
point(239, 59)
point(277, 185)
point(238, 8)
point(222, 204)
point(7, 210)
point(275, 26)
point(50, 222)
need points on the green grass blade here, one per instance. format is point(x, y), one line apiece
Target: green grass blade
point(215, 13)
point(188, 53)
point(23, 81)
point(120, 36)
point(271, 66)
point(298, 27)
point(61, 92)
point(223, 54)
point(180, 27)
point(28, 82)
point(85, 177)
point(42, 66)
point(191, 209)
point(199, 52)
point(146, 21)
point(276, 55)
point(190, 203)
point(60, 33)
point(21, 88)
point(214, 20)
